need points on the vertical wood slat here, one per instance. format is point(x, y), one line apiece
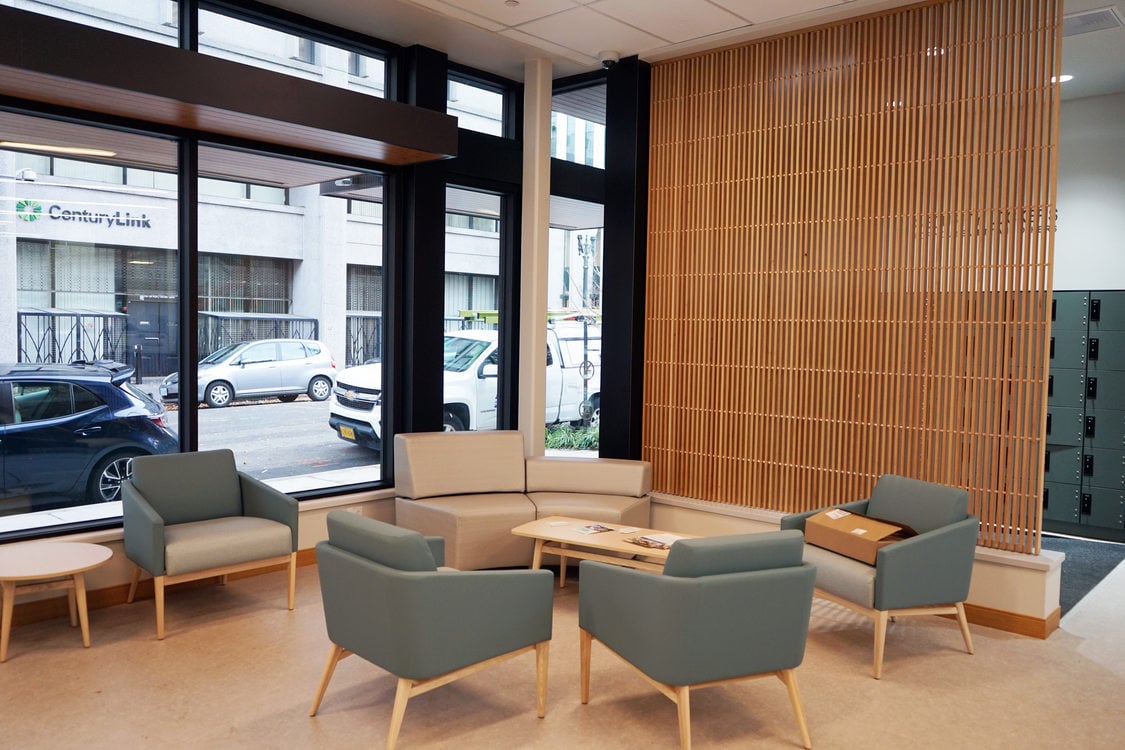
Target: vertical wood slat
point(849, 262)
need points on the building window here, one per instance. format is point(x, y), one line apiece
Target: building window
point(476, 106)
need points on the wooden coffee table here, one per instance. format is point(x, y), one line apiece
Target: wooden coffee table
point(48, 566)
point(562, 536)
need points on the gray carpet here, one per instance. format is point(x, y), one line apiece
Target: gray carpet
point(1087, 563)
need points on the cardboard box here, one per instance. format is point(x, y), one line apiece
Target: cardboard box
point(858, 537)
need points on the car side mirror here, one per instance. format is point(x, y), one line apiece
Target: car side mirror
point(489, 370)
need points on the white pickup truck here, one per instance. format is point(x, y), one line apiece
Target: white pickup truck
point(573, 377)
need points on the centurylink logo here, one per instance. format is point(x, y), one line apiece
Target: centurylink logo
point(28, 210)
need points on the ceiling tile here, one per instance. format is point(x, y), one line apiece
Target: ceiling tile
point(761, 11)
point(448, 9)
point(676, 22)
point(549, 48)
point(499, 12)
point(588, 32)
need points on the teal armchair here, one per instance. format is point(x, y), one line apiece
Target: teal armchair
point(386, 600)
point(927, 574)
point(725, 609)
point(189, 516)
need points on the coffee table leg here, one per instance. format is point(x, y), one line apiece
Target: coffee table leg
point(72, 605)
point(537, 555)
point(80, 595)
point(9, 588)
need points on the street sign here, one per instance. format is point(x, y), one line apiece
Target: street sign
point(586, 370)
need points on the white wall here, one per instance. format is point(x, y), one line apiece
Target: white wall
point(1090, 239)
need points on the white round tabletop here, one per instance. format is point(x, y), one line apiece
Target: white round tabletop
point(33, 560)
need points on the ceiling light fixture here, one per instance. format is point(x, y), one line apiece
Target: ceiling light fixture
point(69, 150)
point(1062, 78)
point(512, 3)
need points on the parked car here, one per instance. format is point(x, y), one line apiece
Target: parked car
point(284, 368)
point(471, 366)
point(69, 433)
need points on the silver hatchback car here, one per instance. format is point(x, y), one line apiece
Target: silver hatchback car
point(284, 368)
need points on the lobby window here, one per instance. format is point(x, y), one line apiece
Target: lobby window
point(282, 277)
point(93, 273)
point(472, 310)
point(476, 105)
point(578, 125)
point(153, 20)
point(255, 43)
point(574, 312)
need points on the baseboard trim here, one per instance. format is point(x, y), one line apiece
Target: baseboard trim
point(1013, 622)
point(38, 610)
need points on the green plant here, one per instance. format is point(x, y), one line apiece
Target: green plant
point(564, 437)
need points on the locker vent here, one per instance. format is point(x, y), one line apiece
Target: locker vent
point(1091, 20)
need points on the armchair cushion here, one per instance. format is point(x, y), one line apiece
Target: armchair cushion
point(184, 487)
point(708, 556)
point(387, 545)
point(923, 506)
point(217, 542)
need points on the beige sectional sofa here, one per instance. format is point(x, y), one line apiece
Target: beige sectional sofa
point(473, 488)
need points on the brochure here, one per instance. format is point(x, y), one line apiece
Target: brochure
point(655, 541)
point(592, 528)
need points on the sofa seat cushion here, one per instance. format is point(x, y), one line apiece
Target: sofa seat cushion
point(218, 542)
point(626, 509)
point(477, 528)
point(846, 578)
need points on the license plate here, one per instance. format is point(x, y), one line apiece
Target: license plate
point(347, 433)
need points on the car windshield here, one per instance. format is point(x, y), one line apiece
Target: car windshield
point(219, 354)
point(460, 353)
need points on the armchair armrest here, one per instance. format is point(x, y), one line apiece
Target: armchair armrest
point(934, 567)
point(437, 549)
point(143, 530)
point(262, 501)
point(797, 520)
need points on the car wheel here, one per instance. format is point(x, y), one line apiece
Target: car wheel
point(110, 472)
point(218, 394)
point(288, 398)
point(450, 422)
point(596, 414)
point(320, 388)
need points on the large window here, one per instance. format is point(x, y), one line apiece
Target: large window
point(578, 126)
point(475, 105)
point(574, 293)
point(94, 260)
point(154, 20)
point(301, 56)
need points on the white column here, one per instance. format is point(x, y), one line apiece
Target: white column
point(534, 252)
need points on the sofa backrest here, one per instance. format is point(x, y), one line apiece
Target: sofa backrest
point(735, 553)
point(185, 487)
point(593, 476)
point(394, 547)
point(923, 506)
point(432, 464)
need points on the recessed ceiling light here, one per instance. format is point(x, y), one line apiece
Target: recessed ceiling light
point(69, 150)
point(1062, 79)
point(511, 3)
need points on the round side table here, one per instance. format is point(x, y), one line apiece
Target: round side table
point(48, 566)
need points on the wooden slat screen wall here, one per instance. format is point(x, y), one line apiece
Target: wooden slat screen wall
point(849, 262)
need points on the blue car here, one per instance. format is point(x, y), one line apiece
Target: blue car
point(69, 433)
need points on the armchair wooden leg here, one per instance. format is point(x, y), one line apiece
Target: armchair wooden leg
point(158, 590)
point(584, 643)
point(292, 580)
point(402, 695)
point(335, 654)
point(541, 652)
point(964, 622)
point(881, 617)
point(789, 677)
point(133, 584)
point(683, 712)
